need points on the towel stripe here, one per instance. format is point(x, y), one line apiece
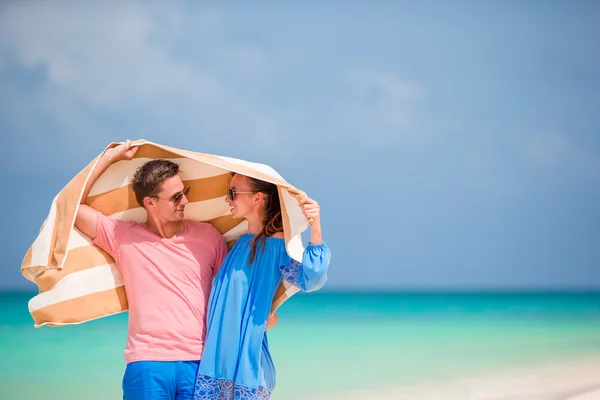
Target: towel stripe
point(82, 309)
point(27, 261)
point(66, 202)
point(79, 284)
point(79, 259)
point(154, 152)
point(78, 239)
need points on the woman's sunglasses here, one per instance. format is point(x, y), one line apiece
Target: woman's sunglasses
point(231, 194)
point(177, 197)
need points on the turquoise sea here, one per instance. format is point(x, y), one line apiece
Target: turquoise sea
point(324, 342)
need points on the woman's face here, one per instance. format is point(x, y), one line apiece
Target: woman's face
point(245, 201)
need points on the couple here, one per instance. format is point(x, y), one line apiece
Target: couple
point(198, 315)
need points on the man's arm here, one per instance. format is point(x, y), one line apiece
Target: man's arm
point(221, 251)
point(86, 215)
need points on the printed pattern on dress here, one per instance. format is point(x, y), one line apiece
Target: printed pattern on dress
point(209, 388)
point(290, 272)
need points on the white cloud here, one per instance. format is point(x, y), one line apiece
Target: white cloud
point(126, 57)
point(172, 69)
point(548, 149)
point(385, 85)
point(102, 54)
point(552, 150)
point(380, 109)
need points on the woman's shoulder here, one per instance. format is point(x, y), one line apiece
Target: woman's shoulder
point(278, 235)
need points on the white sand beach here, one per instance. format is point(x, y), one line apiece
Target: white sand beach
point(571, 380)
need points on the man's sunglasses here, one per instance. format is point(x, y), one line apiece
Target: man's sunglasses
point(177, 197)
point(231, 194)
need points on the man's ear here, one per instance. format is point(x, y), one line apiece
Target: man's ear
point(148, 201)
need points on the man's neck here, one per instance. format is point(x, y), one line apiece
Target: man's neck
point(165, 229)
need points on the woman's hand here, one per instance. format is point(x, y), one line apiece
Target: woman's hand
point(310, 209)
point(272, 321)
point(312, 212)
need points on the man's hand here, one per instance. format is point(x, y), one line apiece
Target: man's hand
point(124, 151)
point(86, 217)
point(272, 321)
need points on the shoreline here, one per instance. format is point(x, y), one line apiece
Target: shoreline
point(577, 379)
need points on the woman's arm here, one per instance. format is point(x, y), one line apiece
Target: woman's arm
point(311, 273)
point(312, 211)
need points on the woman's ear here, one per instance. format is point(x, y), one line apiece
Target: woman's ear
point(259, 196)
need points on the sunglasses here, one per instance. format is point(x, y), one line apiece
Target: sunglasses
point(177, 197)
point(231, 194)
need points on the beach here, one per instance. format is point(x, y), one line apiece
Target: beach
point(569, 380)
point(379, 346)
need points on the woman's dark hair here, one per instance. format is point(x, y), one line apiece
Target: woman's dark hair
point(272, 221)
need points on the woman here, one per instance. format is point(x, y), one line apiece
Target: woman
point(236, 363)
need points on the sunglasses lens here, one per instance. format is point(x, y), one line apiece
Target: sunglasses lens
point(177, 198)
point(231, 194)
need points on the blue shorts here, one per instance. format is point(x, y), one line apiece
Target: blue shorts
point(160, 380)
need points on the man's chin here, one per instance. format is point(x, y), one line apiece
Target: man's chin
point(178, 217)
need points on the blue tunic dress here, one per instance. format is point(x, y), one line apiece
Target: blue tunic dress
point(236, 363)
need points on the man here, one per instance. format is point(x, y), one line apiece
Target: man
point(168, 265)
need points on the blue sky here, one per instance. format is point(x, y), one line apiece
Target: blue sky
point(452, 145)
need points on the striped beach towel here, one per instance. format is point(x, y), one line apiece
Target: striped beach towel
point(79, 282)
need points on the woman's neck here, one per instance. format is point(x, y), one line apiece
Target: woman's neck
point(255, 225)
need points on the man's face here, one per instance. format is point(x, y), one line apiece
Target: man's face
point(169, 204)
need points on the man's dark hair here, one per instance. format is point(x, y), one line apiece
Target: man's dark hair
point(149, 177)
